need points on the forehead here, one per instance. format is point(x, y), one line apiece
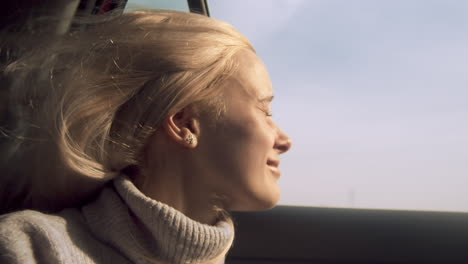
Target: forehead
point(252, 75)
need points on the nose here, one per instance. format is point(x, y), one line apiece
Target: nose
point(283, 142)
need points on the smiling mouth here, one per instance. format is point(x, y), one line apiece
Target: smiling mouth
point(273, 165)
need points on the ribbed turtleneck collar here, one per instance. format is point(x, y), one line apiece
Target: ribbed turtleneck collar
point(145, 230)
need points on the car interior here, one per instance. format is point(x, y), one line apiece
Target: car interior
point(293, 234)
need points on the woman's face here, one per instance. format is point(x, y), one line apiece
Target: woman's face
point(242, 150)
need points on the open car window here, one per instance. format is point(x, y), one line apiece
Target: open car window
point(181, 5)
point(374, 95)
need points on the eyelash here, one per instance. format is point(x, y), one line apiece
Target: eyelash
point(267, 112)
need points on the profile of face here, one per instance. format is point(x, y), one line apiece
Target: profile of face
point(240, 154)
point(232, 161)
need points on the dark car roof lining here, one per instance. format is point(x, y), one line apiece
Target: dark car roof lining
point(19, 12)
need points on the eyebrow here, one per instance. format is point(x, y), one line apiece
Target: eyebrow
point(266, 99)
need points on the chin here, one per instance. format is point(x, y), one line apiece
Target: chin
point(272, 203)
point(258, 202)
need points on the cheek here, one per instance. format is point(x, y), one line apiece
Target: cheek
point(251, 145)
point(254, 139)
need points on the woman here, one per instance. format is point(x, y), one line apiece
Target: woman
point(145, 128)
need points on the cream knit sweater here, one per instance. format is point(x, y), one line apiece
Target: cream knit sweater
point(121, 226)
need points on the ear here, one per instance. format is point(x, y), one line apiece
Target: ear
point(183, 127)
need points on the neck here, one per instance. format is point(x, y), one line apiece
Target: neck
point(180, 190)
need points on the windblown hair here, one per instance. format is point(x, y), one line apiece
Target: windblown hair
point(85, 104)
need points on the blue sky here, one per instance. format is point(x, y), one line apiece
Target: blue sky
point(374, 95)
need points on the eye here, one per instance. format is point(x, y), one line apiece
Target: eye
point(265, 110)
point(265, 107)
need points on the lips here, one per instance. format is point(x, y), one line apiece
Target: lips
point(273, 163)
point(274, 167)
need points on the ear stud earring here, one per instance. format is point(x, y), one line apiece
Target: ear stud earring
point(189, 139)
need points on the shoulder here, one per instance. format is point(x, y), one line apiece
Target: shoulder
point(28, 222)
point(35, 237)
point(26, 236)
point(22, 222)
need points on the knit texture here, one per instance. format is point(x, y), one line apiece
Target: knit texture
point(121, 226)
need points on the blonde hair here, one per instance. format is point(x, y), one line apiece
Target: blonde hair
point(90, 100)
